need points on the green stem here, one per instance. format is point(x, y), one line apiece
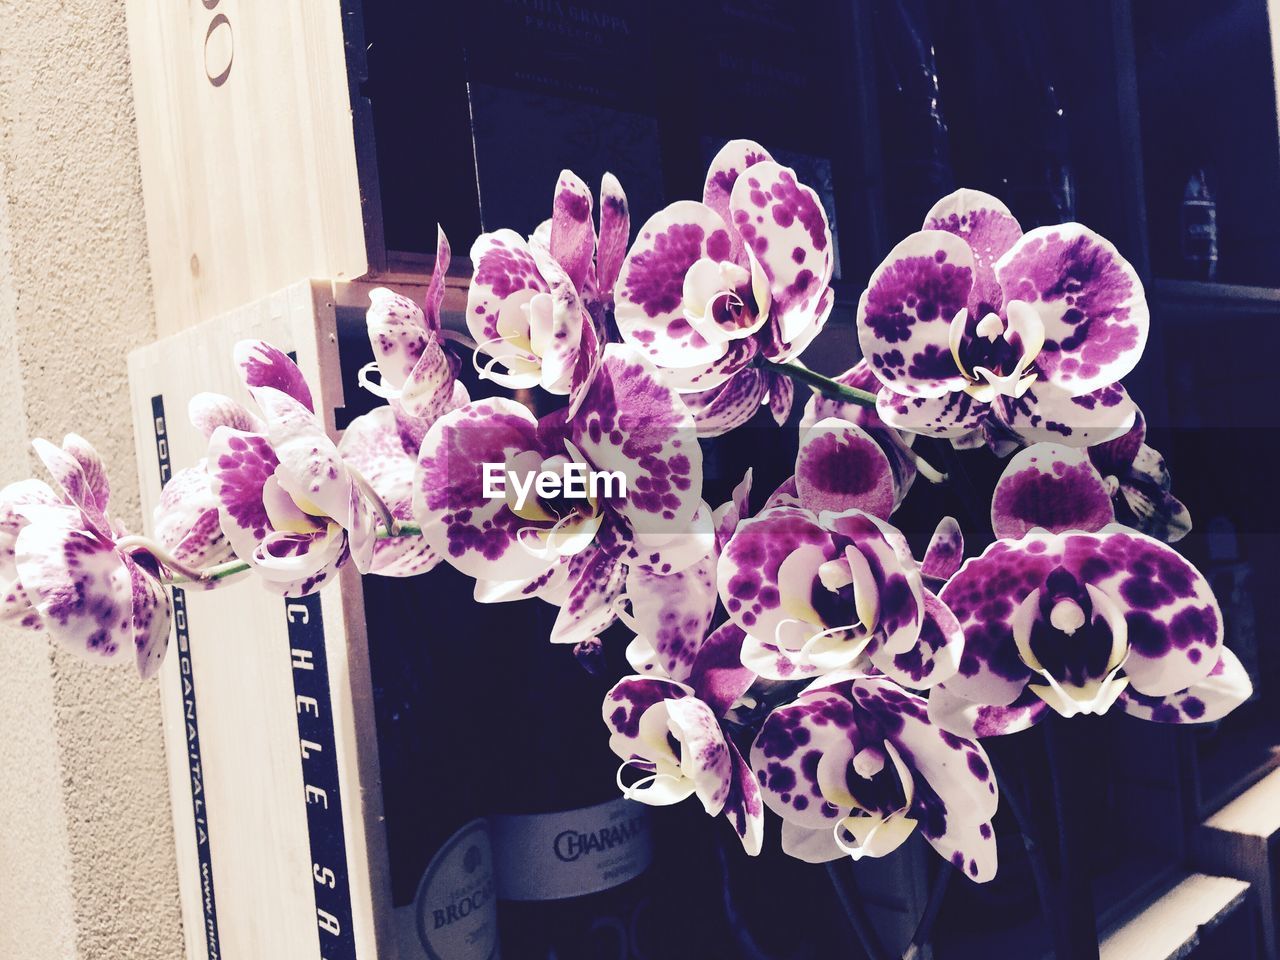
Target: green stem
point(229, 569)
point(824, 385)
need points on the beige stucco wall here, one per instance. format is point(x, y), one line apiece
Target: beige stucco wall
point(86, 847)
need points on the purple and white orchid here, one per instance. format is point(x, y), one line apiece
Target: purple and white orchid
point(707, 287)
point(1078, 622)
point(855, 765)
point(629, 423)
point(675, 735)
point(68, 568)
point(289, 504)
point(538, 307)
point(969, 321)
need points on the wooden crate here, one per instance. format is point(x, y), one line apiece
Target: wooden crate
point(267, 703)
point(247, 132)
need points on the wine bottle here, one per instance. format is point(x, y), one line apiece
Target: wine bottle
point(572, 855)
point(436, 776)
point(1198, 229)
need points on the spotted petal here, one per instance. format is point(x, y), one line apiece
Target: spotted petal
point(945, 552)
point(905, 314)
point(397, 332)
point(723, 173)
point(728, 406)
point(974, 720)
point(670, 614)
point(649, 297)
point(262, 365)
point(718, 676)
point(1089, 298)
point(14, 603)
point(72, 479)
point(1046, 413)
point(983, 596)
point(782, 223)
point(597, 577)
point(950, 415)
point(240, 465)
point(615, 230)
point(186, 519)
point(1050, 486)
point(478, 535)
point(434, 298)
point(208, 411)
point(989, 228)
point(372, 444)
point(573, 235)
point(78, 583)
point(839, 467)
point(630, 422)
point(1226, 687)
point(311, 470)
point(745, 805)
point(151, 619)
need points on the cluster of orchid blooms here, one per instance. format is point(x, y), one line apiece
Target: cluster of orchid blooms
point(798, 658)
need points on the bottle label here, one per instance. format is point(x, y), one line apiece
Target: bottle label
point(574, 853)
point(457, 918)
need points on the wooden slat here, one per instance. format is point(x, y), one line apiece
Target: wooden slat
point(251, 183)
point(254, 774)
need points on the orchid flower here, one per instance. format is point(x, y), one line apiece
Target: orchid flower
point(820, 581)
point(572, 551)
point(855, 765)
point(674, 734)
point(970, 321)
point(706, 287)
point(289, 504)
point(415, 373)
point(1078, 622)
point(538, 307)
point(67, 567)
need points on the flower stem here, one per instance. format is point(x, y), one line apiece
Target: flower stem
point(229, 569)
point(824, 385)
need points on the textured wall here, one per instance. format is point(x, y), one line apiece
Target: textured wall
point(86, 846)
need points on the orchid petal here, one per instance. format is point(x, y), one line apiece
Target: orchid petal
point(1046, 413)
point(77, 582)
point(784, 226)
point(723, 173)
point(672, 613)
point(262, 365)
point(936, 656)
point(987, 226)
point(186, 519)
point(434, 298)
point(371, 443)
point(615, 230)
point(397, 332)
point(240, 464)
point(74, 483)
point(151, 620)
point(718, 676)
point(1089, 298)
point(1226, 687)
point(208, 411)
point(573, 236)
point(477, 535)
point(590, 607)
point(905, 314)
point(967, 719)
point(630, 422)
point(950, 415)
point(1049, 486)
point(505, 279)
point(728, 406)
point(840, 467)
point(945, 553)
point(311, 471)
